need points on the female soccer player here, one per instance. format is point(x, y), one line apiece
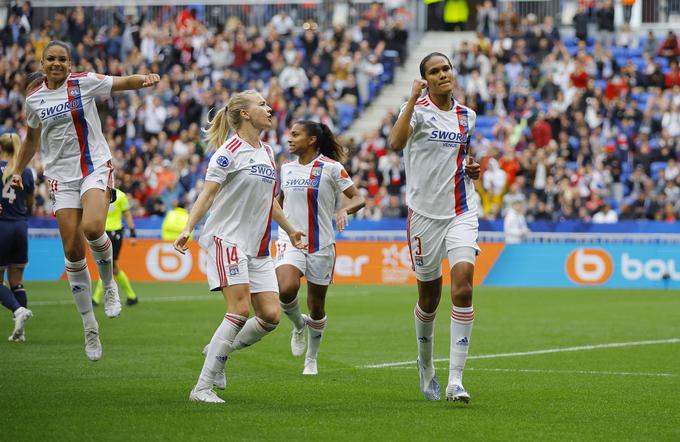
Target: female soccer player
point(239, 190)
point(310, 188)
point(15, 207)
point(63, 121)
point(435, 131)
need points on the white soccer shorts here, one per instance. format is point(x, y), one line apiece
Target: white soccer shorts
point(69, 194)
point(317, 267)
point(430, 240)
point(228, 265)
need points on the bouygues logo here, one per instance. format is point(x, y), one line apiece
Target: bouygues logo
point(166, 264)
point(589, 266)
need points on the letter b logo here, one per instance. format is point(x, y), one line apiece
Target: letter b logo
point(589, 266)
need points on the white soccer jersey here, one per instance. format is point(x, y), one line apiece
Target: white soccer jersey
point(241, 213)
point(310, 194)
point(434, 156)
point(71, 142)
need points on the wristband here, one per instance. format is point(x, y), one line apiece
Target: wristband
point(133, 234)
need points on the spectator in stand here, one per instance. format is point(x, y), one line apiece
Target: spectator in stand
point(605, 22)
point(515, 224)
point(581, 20)
point(605, 216)
point(670, 47)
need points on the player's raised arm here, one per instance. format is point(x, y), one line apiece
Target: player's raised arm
point(402, 128)
point(203, 203)
point(134, 82)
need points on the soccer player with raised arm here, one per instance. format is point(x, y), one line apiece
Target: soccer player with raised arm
point(114, 230)
point(434, 131)
point(310, 189)
point(240, 189)
point(63, 122)
point(15, 208)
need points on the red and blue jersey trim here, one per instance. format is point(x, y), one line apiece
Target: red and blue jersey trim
point(264, 243)
point(460, 195)
point(313, 206)
point(80, 124)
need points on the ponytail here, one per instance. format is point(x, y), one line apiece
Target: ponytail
point(227, 118)
point(326, 143)
point(10, 143)
point(218, 130)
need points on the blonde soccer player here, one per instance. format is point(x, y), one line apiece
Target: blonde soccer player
point(63, 122)
point(311, 187)
point(240, 186)
point(434, 131)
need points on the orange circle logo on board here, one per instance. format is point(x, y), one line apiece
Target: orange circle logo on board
point(590, 266)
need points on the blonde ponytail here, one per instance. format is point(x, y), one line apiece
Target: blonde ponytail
point(10, 143)
point(218, 130)
point(227, 118)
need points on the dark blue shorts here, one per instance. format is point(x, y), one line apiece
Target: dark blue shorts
point(13, 243)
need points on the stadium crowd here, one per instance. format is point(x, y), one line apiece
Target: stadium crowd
point(573, 128)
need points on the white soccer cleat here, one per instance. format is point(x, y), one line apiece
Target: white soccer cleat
point(21, 315)
point(298, 343)
point(430, 388)
point(456, 393)
point(310, 367)
point(207, 396)
point(93, 346)
point(112, 305)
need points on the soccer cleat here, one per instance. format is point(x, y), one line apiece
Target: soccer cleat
point(297, 340)
point(456, 393)
point(93, 346)
point(20, 338)
point(112, 306)
point(131, 301)
point(431, 389)
point(207, 396)
point(21, 315)
point(310, 367)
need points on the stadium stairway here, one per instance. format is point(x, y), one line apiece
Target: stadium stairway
point(393, 95)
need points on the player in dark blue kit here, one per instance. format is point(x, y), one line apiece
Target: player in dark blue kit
point(15, 207)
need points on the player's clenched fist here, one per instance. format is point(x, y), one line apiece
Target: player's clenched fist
point(472, 168)
point(151, 79)
point(181, 242)
point(418, 86)
point(16, 183)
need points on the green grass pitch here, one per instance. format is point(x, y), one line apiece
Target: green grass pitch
point(152, 357)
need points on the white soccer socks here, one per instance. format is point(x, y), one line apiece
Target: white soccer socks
point(316, 329)
point(292, 310)
point(102, 252)
point(79, 278)
point(219, 348)
point(253, 330)
point(462, 319)
point(425, 337)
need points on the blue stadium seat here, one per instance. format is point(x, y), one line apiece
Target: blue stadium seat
point(656, 167)
point(626, 168)
point(573, 165)
point(486, 121)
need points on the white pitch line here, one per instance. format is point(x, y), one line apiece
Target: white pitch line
point(538, 352)
point(145, 300)
point(531, 370)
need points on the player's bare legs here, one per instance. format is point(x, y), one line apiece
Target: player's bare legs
point(429, 295)
point(288, 277)
point(95, 207)
point(316, 302)
point(462, 318)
